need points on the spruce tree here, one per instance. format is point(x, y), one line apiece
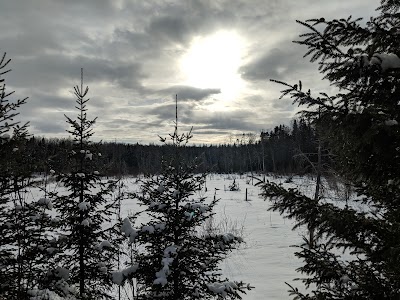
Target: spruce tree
point(173, 259)
point(360, 125)
point(25, 225)
point(87, 249)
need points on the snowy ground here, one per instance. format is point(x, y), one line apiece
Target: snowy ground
point(267, 259)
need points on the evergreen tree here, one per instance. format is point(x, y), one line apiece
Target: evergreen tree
point(360, 125)
point(173, 259)
point(87, 247)
point(25, 244)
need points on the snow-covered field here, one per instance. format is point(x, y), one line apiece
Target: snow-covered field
point(266, 261)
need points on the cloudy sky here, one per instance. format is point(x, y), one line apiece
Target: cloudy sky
point(217, 55)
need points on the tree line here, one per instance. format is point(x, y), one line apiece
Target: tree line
point(274, 151)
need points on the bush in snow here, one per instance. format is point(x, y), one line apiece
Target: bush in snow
point(360, 125)
point(173, 260)
point(234, 186)
point(86, 246)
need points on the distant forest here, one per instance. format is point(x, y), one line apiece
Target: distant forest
point(281, 150)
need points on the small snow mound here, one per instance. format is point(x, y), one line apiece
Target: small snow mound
point(45, 202)
point(89, 156)
point(51, 250)
point(175, 194)
point(391, 122)
point(160, 188)
point(160, 226)
point(102, 267)
point(222, 288)
point(228, 237)
point(128, 230)
point(104, 244)
point(344, 279)
point(202, 208)
point(161, 280)
point(386, 60)
point(62, 273)
point(36, 294)
point(119, 277)
point(83, 206)
point(5, 136)
point(170, 250)
point(85, 223)
point(149, 229)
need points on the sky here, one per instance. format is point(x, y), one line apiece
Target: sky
point(136, 55)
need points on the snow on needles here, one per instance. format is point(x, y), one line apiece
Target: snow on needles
point(62, 273)
point(161, 188)
point(222, 288)
point(104, 244)
point(36, 294)
point(45, 202)
point(119, 277)
point(128, 230)
point(86, 222)
point(391, 122)
point(385, 60)
point(166, 262)
point(83, 206)
point(148, 228)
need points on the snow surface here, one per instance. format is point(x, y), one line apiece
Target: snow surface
point(266, 260)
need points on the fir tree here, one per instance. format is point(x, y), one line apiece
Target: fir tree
point(360, 125)
point(87, 247)
point(24, 225)
point(173, 259)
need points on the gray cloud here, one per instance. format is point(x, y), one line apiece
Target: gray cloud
point(166, 112)
point(172, 28)
point(45, 127)
point(276, 63)
point(189, 92)
point(62, 71)
point(234, 121)
point(130, 52)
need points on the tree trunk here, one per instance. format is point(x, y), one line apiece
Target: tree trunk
point(311, 227)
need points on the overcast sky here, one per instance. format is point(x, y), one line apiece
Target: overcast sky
point(218, 56)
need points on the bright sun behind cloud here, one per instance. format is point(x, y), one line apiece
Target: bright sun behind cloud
point(213, 62)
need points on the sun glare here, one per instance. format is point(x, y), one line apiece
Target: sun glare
point(213, 62)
